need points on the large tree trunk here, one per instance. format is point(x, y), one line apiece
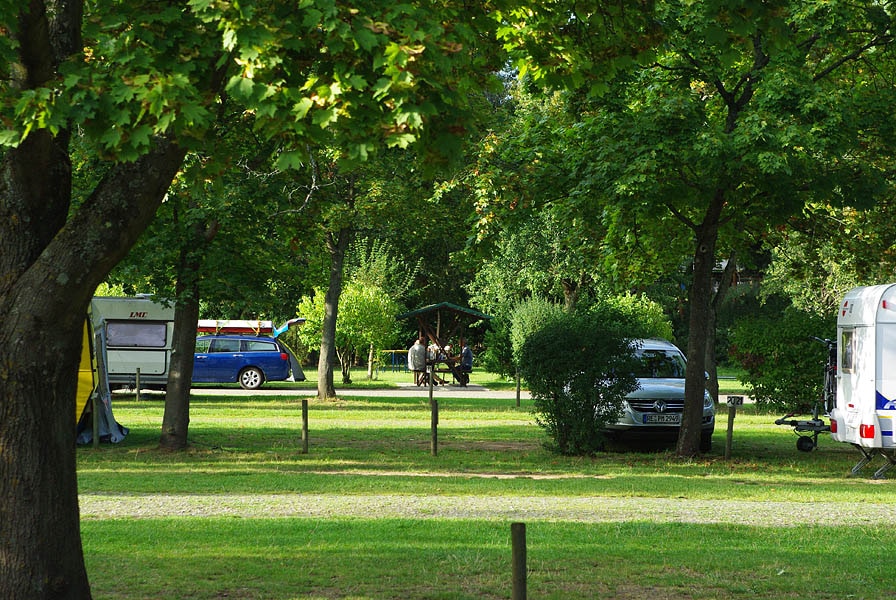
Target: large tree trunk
point(700, 300)
point(337, 245)
point(50, 264)
point(46, 282)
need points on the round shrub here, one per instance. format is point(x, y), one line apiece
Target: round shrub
point(579, 371)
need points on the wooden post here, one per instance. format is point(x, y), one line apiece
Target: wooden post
point(137, 383)
point(518, 558)
point(733, 403)
point(434, 414)
point(517, 389)
point(96, 418)
point(304, 425)
point(434, 427)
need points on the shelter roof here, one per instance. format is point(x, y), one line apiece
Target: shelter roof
point(454, 308)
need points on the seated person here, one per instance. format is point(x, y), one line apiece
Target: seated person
point(417, 361)
point(465, 362)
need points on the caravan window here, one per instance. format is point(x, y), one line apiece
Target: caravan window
point(130, 334)
point(847, 351)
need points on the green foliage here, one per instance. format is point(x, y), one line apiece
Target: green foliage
point(579, 371)
point(528, 317)
point(374, 74)
point(578, 44)
point(783, 365)
point(377, 263)
point(829, 250)
point(639, 316)
point(311, 308)
point(366, 319)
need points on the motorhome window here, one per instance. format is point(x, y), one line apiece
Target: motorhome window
point(130, 334)
point(259, 346)
point(847, 351)
point(225, 346)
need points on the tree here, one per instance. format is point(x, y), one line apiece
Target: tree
point(369, 302)
point(143, 82)
point(733, 119)
point(781, 361)
point(828, 250)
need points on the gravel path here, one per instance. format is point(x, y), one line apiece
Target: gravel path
point(522, 508)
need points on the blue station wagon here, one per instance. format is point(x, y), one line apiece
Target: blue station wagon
point(248, 360)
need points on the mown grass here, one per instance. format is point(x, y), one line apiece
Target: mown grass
point(368, 446)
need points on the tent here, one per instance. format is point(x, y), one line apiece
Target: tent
point(93, 391)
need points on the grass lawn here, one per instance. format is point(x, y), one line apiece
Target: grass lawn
point(370, 513)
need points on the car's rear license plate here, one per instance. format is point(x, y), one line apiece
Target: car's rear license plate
point(670, 419)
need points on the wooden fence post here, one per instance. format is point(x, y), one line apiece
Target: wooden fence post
point(434, 426)
point(518, 558)
point(304, 425)
point(733, 403)
point(434, 414)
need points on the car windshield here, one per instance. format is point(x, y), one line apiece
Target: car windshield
point(664, 364)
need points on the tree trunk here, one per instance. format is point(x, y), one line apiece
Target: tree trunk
point(712, 383)
point(176, 419)
point(47, 275)
point(345, 365)
point(337, 245)
point(700, 300)
point(50, 263)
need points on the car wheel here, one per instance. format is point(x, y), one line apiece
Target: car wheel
point(251, 378)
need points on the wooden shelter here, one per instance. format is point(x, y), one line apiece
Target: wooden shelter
point(440, 323)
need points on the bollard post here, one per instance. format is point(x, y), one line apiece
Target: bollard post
point(518, 559)
point(434, 415)
point(733, 403)
point(434, 427)
point(304, 425)
point(95, 415)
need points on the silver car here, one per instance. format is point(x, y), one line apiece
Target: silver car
point(654, 409)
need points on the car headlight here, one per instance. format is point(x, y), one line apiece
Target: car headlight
point(707, 400)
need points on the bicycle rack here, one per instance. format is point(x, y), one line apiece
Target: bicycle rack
point(807, 430)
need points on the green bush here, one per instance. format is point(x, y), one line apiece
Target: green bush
point(638, 315)
point(528, 317)
point(579, 370)
point(783, 365)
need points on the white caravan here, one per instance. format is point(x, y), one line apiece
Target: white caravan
point(865, 412)
point(131, 334)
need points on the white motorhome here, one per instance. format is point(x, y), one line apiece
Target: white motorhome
point(133, 333)
point(865, 412)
